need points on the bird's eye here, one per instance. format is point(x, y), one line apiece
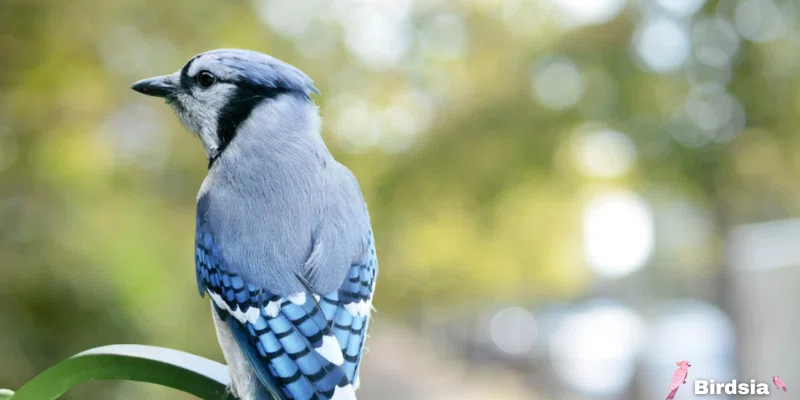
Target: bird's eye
point(206, 79)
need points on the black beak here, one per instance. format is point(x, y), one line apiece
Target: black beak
point(160, 86)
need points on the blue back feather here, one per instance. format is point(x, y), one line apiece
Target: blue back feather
point(284, 349)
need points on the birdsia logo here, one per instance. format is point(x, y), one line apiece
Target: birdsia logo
point(732, 387)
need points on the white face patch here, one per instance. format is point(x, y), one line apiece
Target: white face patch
point(199, 111)
point(199, 108)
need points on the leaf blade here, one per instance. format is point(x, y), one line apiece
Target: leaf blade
point(189, 373)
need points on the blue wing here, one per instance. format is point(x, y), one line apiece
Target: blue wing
point(348, 310)
point(303, 346)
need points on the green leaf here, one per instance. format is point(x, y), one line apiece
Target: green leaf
point(189, 373)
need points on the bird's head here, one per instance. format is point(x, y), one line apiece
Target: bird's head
point(215, 92)
point(683, 364)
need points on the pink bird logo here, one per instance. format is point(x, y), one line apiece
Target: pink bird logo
point(678, 378)
point(779, 383)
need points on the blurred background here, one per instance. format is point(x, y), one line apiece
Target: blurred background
point(568, 196)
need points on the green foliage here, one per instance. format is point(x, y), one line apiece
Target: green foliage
point(201, 377)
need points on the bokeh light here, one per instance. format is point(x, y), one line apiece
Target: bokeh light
point(604, 153)
point(681, 8)
point(595, 348)
point(360, 124)
point(513, 330)
point(709, 114)
point(557, 82)
point(587, 12)
point(290, 18)
point(662, 44)
point(379, 36)
point(618, 233)
point(759, 20)
point(716, 41)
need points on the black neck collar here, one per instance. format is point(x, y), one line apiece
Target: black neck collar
point(213, 159)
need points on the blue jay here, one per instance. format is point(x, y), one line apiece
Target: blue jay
point(283, 244)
